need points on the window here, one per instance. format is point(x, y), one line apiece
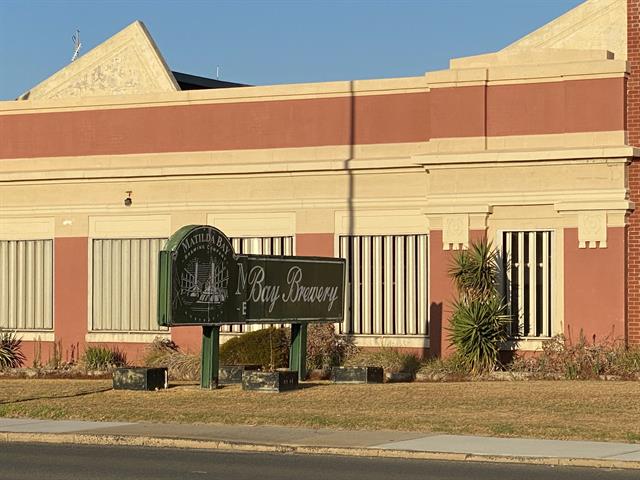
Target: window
point(26, 284)
point(258, 246)
point(387, 284)
point(125, 284)
point(527, 265)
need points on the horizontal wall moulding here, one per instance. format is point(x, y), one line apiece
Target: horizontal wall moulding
point(247, 206)
point(610, 153)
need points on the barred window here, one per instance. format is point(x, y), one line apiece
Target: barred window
point(26, 284)
point(527, 264)
point(125, 284)
point(387, 284)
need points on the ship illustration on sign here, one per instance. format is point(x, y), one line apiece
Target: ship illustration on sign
point(205, 283)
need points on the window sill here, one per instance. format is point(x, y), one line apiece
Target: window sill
point(33, 335)
point(125, 337)
point(525, 344)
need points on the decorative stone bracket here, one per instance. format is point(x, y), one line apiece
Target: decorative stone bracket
point(592, 229)
point(456, 222)
point(594, 218)
point(455, 232)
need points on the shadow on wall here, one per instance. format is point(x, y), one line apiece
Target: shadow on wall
point(435, 329)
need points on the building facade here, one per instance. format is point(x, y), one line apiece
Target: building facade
point(531, 147)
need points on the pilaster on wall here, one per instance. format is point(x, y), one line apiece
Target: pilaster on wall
point(633, 173)
point(70, 298)
point(591, 275)
point(441, 290)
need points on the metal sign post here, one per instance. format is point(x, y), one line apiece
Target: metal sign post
point(210, 356)
point(298, 349)
point(203, 282)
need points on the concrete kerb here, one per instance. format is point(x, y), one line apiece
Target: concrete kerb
point(160, 442)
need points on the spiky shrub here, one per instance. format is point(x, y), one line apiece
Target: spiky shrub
point(479, 323)
point(325, 348)
point(165, 353)
point(158, 352)
point(103, 358)
point(478, 329)
point(475, 272)
point(11, 355)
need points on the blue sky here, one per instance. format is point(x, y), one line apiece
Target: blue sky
point(266, 42)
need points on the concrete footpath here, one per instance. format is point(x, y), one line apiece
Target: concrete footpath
point(325, 441)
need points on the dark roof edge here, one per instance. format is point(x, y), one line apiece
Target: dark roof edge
point(194, 82)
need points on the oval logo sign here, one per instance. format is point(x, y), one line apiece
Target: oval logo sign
point(203, 274)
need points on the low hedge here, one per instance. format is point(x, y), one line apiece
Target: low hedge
point(268, 347)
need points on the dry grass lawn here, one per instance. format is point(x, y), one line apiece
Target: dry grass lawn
point(560, 410)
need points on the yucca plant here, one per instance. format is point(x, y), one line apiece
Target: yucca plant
point(11, 355)
point(103, 358)
point(475, 271)
point(479, 323)
point(478, 329)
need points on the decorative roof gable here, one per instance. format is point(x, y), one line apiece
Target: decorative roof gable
point(127, 63)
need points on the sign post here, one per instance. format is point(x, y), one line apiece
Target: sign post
point(203, 282)
point(210, 356)
point(298, 350)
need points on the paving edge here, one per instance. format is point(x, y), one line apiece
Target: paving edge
point(163, 442)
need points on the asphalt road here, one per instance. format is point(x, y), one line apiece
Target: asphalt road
point(69, 462)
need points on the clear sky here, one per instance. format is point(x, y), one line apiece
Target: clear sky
point(266, 42)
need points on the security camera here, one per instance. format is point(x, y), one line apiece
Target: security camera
point(128, 200)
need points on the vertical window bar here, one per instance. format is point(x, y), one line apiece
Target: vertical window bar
point(521, 291)
point(106, 283)
point(135, 284)
point(39, 291)
point(377, 285)
point(400, 287)
point(116, 285)
point(30, 279)
point(533, 285)
point(21, 282)
point(4, 282)
point(97, 286)
point(343, 249)
point(356, 306)
point(389, 268)
point(546, 283)
point(423, 327)
point(366, 285)
point(410, 295)
point(125, 268)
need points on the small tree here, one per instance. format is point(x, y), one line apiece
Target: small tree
point(479, 323)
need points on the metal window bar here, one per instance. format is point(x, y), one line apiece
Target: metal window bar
point(387, 284)
point(526, 281)
point(26, 284)
point(124, 284)
point(258, 246)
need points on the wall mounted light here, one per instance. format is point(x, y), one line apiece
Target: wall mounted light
point(128, 200)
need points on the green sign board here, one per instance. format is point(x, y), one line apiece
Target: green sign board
point(203, 282)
